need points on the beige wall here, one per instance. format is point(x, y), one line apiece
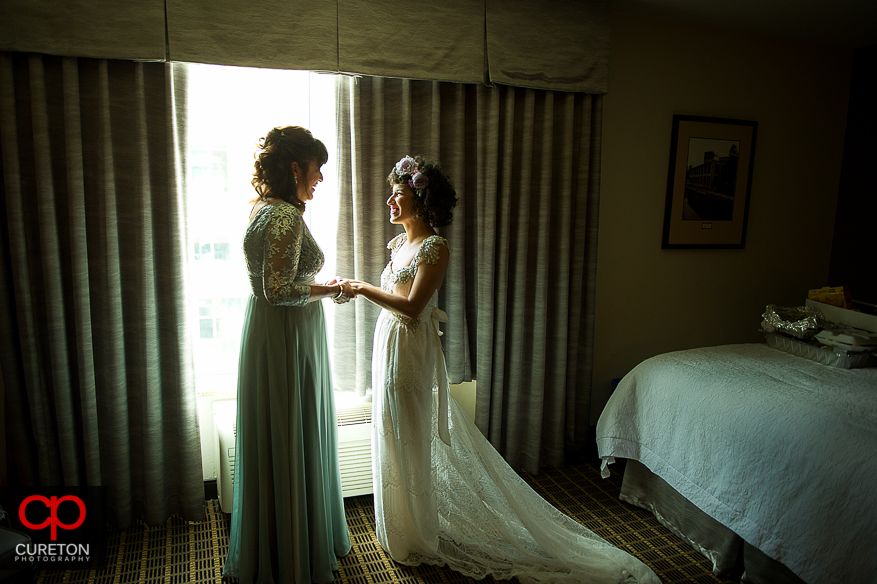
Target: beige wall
point(649, 300)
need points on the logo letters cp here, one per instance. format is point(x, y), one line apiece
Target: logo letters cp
point(52, 505)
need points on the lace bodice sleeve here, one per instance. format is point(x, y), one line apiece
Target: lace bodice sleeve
point(429, 253)
point(283, 238)
point(430, 250)
point(393, 244)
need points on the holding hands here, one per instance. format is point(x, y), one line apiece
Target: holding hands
point(358, 286)
point(349, 289)
point(345, 290)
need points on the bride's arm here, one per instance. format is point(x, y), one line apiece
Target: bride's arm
point(427, 280)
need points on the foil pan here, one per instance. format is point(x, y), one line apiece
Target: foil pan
point(800, 322)
point(820, 354)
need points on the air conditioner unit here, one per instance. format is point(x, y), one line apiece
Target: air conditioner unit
point(224, 432)
point(354, 449)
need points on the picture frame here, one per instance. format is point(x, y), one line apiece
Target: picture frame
point(708, 183)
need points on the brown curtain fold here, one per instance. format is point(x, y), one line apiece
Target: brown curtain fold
point(520, 286)
point(96, 359)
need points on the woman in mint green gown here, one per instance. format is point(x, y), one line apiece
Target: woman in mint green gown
point(287, 522)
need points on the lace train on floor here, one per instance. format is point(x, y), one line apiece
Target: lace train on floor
point(460, 504)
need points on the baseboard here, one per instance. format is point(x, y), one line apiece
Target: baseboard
point(211, 491)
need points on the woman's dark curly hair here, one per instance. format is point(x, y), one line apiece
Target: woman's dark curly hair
point(435, 201)
point(273, 176)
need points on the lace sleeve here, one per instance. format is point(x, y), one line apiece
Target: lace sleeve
point(283, 238)
point(430, 249)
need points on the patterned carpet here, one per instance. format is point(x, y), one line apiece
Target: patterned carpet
point(193, 552)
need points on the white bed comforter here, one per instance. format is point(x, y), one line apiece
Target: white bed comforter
point(778, 448)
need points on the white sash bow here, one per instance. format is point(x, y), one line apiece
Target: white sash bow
point(439, 316)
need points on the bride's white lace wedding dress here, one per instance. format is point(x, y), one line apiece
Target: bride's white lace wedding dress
point(443, 494)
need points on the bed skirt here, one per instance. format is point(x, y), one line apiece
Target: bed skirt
point(732, 557)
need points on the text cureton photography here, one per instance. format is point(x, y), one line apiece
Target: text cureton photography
point(52, 552)
point(57, 525)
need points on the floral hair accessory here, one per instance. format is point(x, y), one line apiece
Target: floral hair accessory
point(406, 166)
point(418, 181)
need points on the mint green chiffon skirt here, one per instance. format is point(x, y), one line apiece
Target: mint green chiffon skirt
point(287, 522)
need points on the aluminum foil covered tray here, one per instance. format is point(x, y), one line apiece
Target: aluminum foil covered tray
point(801, 322)
point(820, 354)
point(794, 330)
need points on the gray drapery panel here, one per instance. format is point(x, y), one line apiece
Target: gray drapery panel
point(520, 286)
point(96, 360)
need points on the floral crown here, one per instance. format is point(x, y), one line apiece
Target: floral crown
point(416, 179)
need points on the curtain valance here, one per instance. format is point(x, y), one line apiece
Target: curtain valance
point(544, 45)
point(102, 29)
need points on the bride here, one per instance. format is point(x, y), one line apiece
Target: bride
point(443, 495)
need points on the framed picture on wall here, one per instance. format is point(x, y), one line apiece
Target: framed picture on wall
point(708, 183)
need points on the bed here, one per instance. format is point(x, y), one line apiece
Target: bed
point(765, 461)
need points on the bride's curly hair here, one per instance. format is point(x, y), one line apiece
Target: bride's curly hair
point(434, 203)
point(273, 175)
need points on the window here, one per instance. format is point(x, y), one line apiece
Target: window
point(228, 110)
point(217, 250)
